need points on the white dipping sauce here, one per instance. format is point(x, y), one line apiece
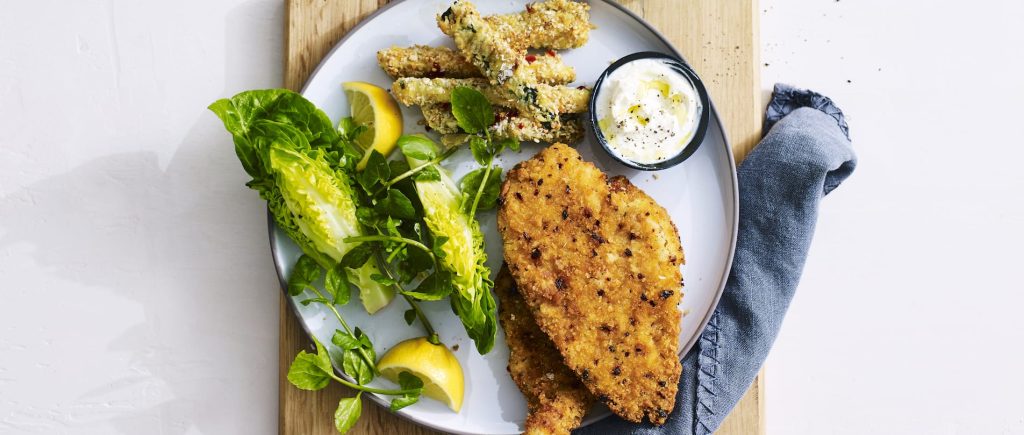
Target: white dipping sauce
point(647, 111)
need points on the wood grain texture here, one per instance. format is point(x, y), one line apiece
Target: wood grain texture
point(719, 38)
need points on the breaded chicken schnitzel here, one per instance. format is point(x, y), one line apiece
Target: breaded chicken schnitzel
point(556, 399)
point(598, 263)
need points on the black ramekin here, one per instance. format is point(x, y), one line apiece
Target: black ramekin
point(702, 122)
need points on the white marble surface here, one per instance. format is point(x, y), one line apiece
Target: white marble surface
point(138, 293)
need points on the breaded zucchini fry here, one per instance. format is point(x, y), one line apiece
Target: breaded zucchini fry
point(433, 62)
point(421, 92)
point(508, 124)
point(497, 59)
point(555, 24)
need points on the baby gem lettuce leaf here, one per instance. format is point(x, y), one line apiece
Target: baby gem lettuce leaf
point(458, 247)
point(323, 204)
point(305, 169)
point(300, 165)
point(241, 112)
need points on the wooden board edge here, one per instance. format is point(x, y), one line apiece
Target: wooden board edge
point(295, 65)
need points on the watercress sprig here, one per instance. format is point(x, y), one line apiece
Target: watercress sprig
point(314, 372)
point(358, 359)
point(302, 278)
point(474, 115)
point(426, 167)
point(394, 222)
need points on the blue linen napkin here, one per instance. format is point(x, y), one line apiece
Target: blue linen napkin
point(805, 155)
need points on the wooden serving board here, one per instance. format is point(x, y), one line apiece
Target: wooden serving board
point(719, 38)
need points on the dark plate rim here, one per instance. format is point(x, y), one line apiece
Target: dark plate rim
point(702, 123)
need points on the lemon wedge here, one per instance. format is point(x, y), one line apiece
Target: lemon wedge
point(434, 364)
point(374, 107)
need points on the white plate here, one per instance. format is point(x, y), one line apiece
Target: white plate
point(700, 194)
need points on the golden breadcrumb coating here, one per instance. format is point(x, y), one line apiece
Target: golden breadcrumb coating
point(598, 262)
point(434, 62)
point(553, 24)
point(556, 399)
point(422, 91)
point(508, 124)
point(497, 59)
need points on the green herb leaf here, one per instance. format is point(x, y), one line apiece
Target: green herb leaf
point(306, 302)
point(478, 317)
point(410, 316)
point(367, 216)
point(471, 109)
point(323, 358)
point(417, 147)
point(348, 129)
point(309, 371)
point(351, 152)
point(438, 247)
point(355, 366)
point(357, 256)
point(346, 126)
point(365, 341)
point(429, 173)
point(352, 362)
point(403, 401)
point(470, 185)
point(398, 167)
point(396, 204)
point(344, 340)
point(407, 381)
point(336, 283)
point(415, 262)
point(305, 374)
point(434, 287)
point(305, 272)
point(508, 143)
point(481, 152)
point(394, 249)
point(377, 171)
point(349, 410)
point(382, 280)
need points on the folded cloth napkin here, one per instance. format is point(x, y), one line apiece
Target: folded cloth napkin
point(804, 156)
